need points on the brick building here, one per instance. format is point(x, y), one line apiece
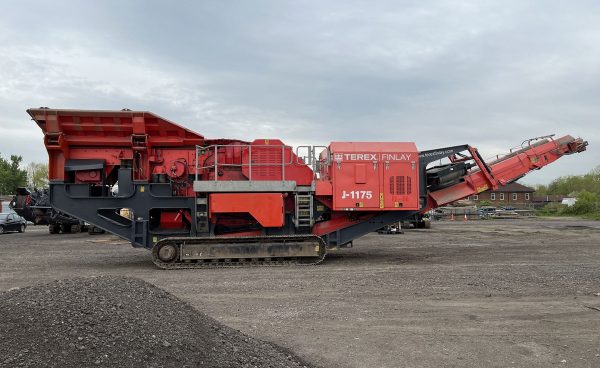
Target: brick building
point(510, 195)
point(4, 201)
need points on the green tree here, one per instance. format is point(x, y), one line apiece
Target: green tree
point(585, 187)
point(11, 176)
point(587, 203)
point(37, 175)
point(541, 190)
point(572, 185)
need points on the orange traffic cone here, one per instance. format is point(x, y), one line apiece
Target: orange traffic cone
point(466, 218)
point(452, 216)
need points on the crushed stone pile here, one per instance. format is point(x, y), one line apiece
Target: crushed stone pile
point(120, 322)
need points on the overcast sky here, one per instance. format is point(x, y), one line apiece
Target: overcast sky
point(439, 73)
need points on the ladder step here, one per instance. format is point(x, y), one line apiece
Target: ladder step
point(304, 211)
point(202, 225)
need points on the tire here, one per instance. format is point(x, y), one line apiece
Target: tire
point(65, 228)
point(167, 253)
point(22, 228)
point(1, 229)
point(75, 228)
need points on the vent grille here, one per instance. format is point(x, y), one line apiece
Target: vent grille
point(400, 185)
point(266, 163)
point(400, 189)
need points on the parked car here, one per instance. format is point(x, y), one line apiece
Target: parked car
point(12, 222)
point(486, 211)
point(436, 214)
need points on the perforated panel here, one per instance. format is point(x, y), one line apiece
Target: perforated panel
point(266, 163)
point(399, 193)
point(400, 184)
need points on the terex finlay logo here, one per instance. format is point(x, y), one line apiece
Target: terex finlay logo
point(339, 157)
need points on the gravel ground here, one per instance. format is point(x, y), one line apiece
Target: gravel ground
point(498, 293)
point(113, 321)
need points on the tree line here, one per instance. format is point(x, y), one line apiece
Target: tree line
point(572, 185)
point(13, 176)
point(586, 188)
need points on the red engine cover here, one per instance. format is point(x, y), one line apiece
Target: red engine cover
point(374, 176)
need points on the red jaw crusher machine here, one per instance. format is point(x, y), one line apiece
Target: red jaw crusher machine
point(198, 202)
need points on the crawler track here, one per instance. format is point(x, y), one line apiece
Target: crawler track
point(228, 252)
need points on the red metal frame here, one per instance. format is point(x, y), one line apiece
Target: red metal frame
point(506, 170)
point(356, 181)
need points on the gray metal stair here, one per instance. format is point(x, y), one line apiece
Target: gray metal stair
point(303, 219)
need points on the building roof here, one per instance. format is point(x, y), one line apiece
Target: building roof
point(514, 187)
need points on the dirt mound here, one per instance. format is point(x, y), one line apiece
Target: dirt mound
point(124, 322)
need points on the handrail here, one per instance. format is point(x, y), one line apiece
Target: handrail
point(216, 164)
point(311, 157)
point(526, 144)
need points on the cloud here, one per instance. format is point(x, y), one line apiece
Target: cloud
point(438, 73)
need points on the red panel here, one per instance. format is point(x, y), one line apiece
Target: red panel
point(360, 173)
point(98, 134)
point(112, 125)
point(401, 186)
point(340, 222)
point(348, 194)
point(270, 159)
point(374, 176)
point(323, 188)
point(266, 208)
point(172, 220)
point(138, 125)
point(383, 150)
